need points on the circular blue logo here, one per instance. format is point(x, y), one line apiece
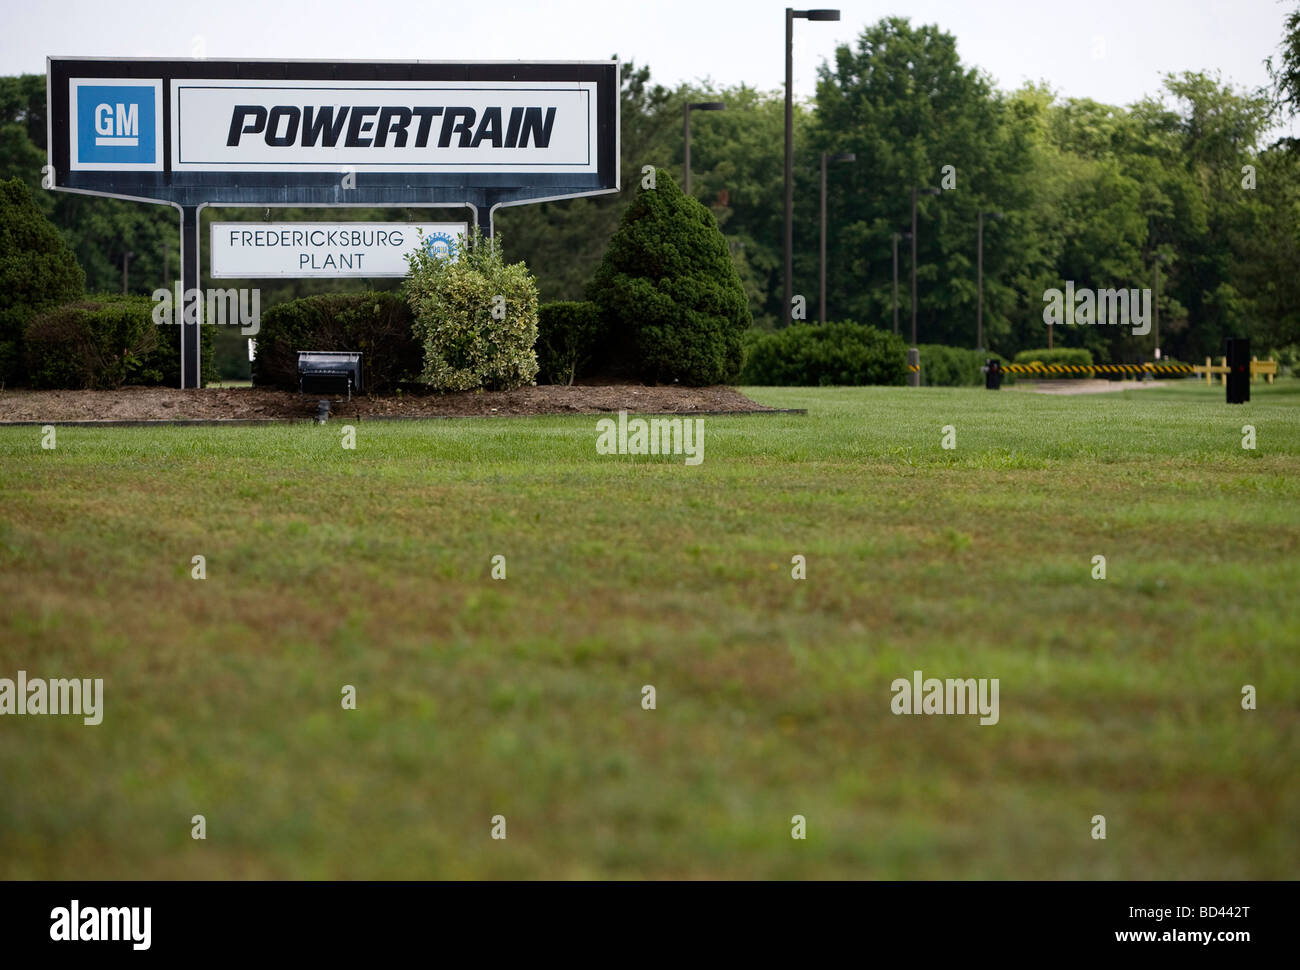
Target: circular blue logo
point(441, 245)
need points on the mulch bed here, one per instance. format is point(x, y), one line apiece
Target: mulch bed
point(259, 404)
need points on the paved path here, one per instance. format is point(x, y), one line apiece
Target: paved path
point(1082, 385)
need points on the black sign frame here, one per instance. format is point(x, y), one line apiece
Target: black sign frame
point(190, 191)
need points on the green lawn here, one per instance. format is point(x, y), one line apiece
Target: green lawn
point(522, 697)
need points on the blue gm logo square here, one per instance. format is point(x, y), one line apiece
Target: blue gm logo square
point(117, 125)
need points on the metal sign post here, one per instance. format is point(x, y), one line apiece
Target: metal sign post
point(191, 375)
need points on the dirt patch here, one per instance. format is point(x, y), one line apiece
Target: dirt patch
point(248, 403)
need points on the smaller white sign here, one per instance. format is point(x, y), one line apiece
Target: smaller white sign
point(251, 250)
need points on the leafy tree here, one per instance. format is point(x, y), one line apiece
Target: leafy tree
point(1285, 74)
point(1089, 192)
point(563, 241)
point(101, 232)
point(1268, 249)
point(902, 101)
point(732, 160)
point(1218, 135)
point(738, 172)
point(37, 270)
point(22, 132)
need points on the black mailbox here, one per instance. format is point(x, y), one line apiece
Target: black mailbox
point(329, 372)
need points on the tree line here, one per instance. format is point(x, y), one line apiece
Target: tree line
point(1086, 192)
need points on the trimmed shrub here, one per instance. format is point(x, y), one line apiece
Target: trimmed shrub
point(37, 271)
point(475, 316)
point(667, 287)
point(812, 355)
point(375, 324)
point(569, 336)
point(1288, 359)
point(1079, 356)
point(99, 343)
point(164, 361)
point(231, 354)
point(943, 366)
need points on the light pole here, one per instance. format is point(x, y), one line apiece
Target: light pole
point(840, 157)
point(686, 131)
point(790, 16)
point(979, 261)
point(914, 377)
point(1155, 304)
point(897, 236)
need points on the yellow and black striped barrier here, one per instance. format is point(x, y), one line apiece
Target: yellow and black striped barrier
point(1040, 368)
point(1265, 368)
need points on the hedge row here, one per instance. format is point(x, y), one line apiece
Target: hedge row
point(1078, 356)
point(104, 342)
point(376, 324)
point(571, 337)
point(943, 366)
point(833, 354)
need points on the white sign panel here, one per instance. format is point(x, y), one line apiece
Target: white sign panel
point(249, 250)
point(384, 126)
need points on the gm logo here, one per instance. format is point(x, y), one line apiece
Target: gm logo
point(116, 125)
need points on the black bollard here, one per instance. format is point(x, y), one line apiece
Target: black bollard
point(992, 375)
point(1237, 352)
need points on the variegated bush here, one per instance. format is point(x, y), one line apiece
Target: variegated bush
point(475, 316)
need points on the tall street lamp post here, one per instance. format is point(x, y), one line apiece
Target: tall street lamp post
point(914, 377)
point(897, 236)
point(1155, 304)
point(790, 16)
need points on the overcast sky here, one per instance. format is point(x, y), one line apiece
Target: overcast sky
point(1110, 50)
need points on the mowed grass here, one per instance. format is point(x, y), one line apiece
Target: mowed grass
point(522, 697)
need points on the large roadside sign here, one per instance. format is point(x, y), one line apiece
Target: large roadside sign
point(195, 133)
point(308, 133)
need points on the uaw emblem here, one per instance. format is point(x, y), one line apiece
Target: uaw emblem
point(440, 245)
